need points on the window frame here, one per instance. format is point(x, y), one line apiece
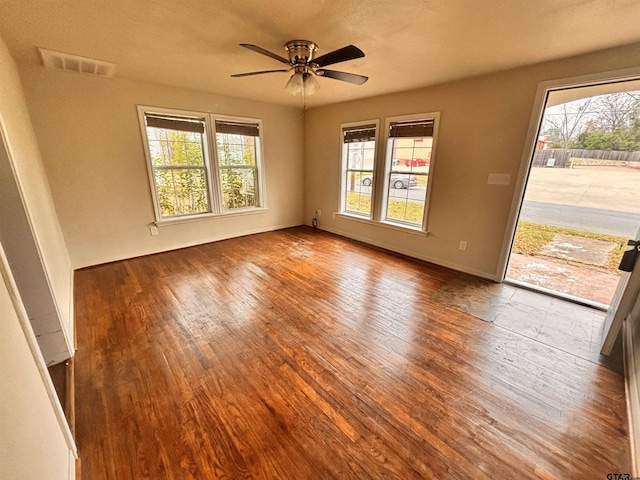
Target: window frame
point(388, 167)
point(211, 164)
point(383, 164)
point(344, 167)
point(261, 204)
point(151, 168)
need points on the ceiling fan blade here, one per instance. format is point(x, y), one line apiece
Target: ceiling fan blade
point(261, 50)
point(248, 74)
point(341, 55)
point(344, 76)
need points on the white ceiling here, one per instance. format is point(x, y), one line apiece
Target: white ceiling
point(408, 43)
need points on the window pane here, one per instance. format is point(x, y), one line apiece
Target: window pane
point(412, 154)
point(181, 191)
point(358, 180)
point(237, 146)
point(358, 194)
point(236, 149)
point(361, 155)
point(239, 187)
point(406, 199)
point(175, 147)
point(408, 177)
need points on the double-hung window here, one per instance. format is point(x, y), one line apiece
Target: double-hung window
point(389, 185)
point(358, 156)
point(408, 163)
point(179, 169)
point(202, 164)
point(237, 147)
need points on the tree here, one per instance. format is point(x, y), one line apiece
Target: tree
point(181, 191)
point(604, 122)
point(238, 184)
point(621, 139)
point(563, 123)
point(617, 111)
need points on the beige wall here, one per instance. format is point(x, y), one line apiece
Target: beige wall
point(32, 445)
point(484, 122)
point(29, 224)
point(90, 137)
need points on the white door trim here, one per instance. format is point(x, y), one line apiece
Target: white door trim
point(621, 305)
point(5, 273)
point(63, 320)
point(532, 136)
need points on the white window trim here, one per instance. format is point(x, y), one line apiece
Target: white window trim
point(343, 169)
point(204, 216)
point(392, 226)
point(214, 184)
point(262, 203)
point(381, 175)
point(388, 164)
point(142, 110)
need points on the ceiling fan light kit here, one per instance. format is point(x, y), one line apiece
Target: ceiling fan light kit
point(302, 84)
point(306, 67)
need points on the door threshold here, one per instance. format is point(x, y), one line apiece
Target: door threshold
point(556, 294)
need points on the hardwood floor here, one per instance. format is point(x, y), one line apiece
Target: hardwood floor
point(298, 354)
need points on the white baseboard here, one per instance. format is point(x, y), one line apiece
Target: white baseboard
point(215, 238)
point(244, 233)
point(426, 258)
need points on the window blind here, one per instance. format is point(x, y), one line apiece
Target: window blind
point(237, 128)
point(417, 128)
point(365, 133)
point(175, 123)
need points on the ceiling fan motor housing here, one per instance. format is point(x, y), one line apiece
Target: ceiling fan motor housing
point(301, 52)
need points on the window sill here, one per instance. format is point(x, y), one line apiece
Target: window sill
point(208, 216)
point(392, 226)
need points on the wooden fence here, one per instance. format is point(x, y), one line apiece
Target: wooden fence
point(552, 158)
point(561, 158)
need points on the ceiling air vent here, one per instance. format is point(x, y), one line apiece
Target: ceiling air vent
point(76, 63)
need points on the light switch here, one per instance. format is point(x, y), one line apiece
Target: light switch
point(499, 179)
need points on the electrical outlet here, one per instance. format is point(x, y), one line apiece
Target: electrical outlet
point(153, 229)
point(463, 245)
point(319, 212)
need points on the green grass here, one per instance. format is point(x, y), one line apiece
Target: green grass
point(405, 212)
point(362, 203)
point(358, 202)
point(530, 238)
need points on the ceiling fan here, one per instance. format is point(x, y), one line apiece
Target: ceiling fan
point(306, 67)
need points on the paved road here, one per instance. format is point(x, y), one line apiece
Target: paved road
point(624, 224)
point(413, 193)
point(612, 222)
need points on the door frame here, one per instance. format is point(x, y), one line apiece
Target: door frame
point(621, 305)
point(22, 247)
point(537, 113)
point(6, 276)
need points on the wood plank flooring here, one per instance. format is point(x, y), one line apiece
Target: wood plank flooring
point(302, 355)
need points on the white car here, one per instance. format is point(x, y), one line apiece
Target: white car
point(398, 180)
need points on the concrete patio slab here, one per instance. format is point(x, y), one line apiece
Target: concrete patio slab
point(578, 280)
point(578, 249)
